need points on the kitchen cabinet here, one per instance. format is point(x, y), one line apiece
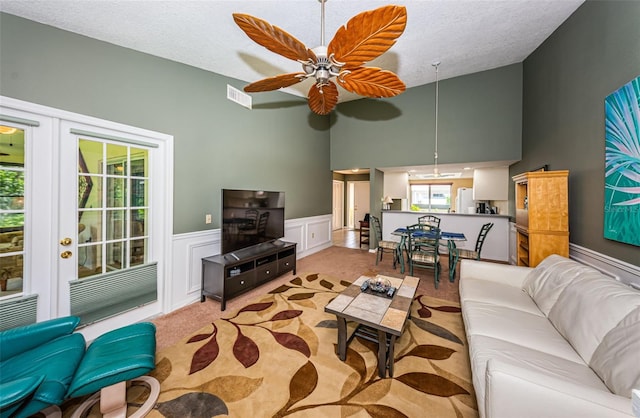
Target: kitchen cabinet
point(491, 183)
point(542, 215)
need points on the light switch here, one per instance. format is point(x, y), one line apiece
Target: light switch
point(207, 218)
point(635, 402)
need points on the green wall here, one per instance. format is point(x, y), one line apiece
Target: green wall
point(596, 51)
point(218, 144)
point(547, 110)
point(479, 119)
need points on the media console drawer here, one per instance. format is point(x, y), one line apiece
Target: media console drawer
point(235, 285)
point(228, 275)
point(266, 272)
point(287, 264)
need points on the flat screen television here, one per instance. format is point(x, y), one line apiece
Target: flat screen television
point(250, 217)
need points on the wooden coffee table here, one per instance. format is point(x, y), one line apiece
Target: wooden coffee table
point(385, 317)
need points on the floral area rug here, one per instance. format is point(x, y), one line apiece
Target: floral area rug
point(276, 358)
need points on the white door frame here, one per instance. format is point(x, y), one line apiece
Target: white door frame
point(338, 204)
point(44, 191)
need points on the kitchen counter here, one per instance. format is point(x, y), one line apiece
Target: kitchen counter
point(496, 245)
point(439, 214)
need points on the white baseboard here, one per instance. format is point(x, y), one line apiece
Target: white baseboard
point(620, 270)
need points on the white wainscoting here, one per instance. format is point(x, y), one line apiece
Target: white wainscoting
point(624, 272)
point(312, 234)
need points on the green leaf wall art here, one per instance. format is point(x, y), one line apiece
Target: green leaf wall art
point(622, 164)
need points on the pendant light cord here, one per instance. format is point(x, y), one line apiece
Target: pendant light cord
point(435, 155)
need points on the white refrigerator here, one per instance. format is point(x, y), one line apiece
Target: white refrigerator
point(464, 201)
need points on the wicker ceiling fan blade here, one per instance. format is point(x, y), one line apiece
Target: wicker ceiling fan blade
point(323, 99)
point(273, 38)
point(371, 82)
point(368, 35)
point(274, 83)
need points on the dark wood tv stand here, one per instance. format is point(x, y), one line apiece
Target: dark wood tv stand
point(227, 275)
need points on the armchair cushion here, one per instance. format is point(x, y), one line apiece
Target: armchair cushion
point(16, 391)
point(118, 355)
point(21, 339)
point(57, 360)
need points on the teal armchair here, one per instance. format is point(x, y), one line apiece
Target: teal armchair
point(44, 364)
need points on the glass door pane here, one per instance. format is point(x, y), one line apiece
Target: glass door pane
point(113, 186)
point(12, 210)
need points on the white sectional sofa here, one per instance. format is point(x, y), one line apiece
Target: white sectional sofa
point(558, 340)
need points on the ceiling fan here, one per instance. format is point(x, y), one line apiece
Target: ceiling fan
point(365, 37)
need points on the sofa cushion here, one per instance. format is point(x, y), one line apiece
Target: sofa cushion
point(516, 326)
point(617, 358)
point(589, 308)
point(483, 348)
point(549, 278)
point(498, 294)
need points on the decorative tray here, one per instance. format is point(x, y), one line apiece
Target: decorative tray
point(378, 286)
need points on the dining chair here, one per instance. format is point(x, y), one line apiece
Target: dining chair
point(425, 233)
point(251, 218)
point(423, 253)
point(365, 232)
point(429, 220)
point(259, 229)
point(456, 253)
point(384, 246)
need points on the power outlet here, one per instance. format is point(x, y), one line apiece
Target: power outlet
point(207, 218)
point(635, 402)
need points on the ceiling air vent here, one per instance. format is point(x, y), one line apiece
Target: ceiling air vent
point(238, 96)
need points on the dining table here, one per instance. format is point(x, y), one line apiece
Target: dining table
point(450, 237)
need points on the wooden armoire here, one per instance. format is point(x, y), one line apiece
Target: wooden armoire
point(542, 215)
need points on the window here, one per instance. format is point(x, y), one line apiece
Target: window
point(431, 197)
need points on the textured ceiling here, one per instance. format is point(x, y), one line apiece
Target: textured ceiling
point(466, 36)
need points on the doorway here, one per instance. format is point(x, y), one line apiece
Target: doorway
point(358, 202)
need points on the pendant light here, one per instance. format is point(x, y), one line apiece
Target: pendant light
point(436, 172)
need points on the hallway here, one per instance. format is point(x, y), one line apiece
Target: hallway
point(349, 238)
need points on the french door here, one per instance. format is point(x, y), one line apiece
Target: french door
point(96, 210)
point(106, 259)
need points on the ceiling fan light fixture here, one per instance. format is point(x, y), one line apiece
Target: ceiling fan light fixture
point(365, 37)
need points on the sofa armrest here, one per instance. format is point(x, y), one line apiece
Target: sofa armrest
point(495, 272)
point(515, 391)
point(20, 339)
